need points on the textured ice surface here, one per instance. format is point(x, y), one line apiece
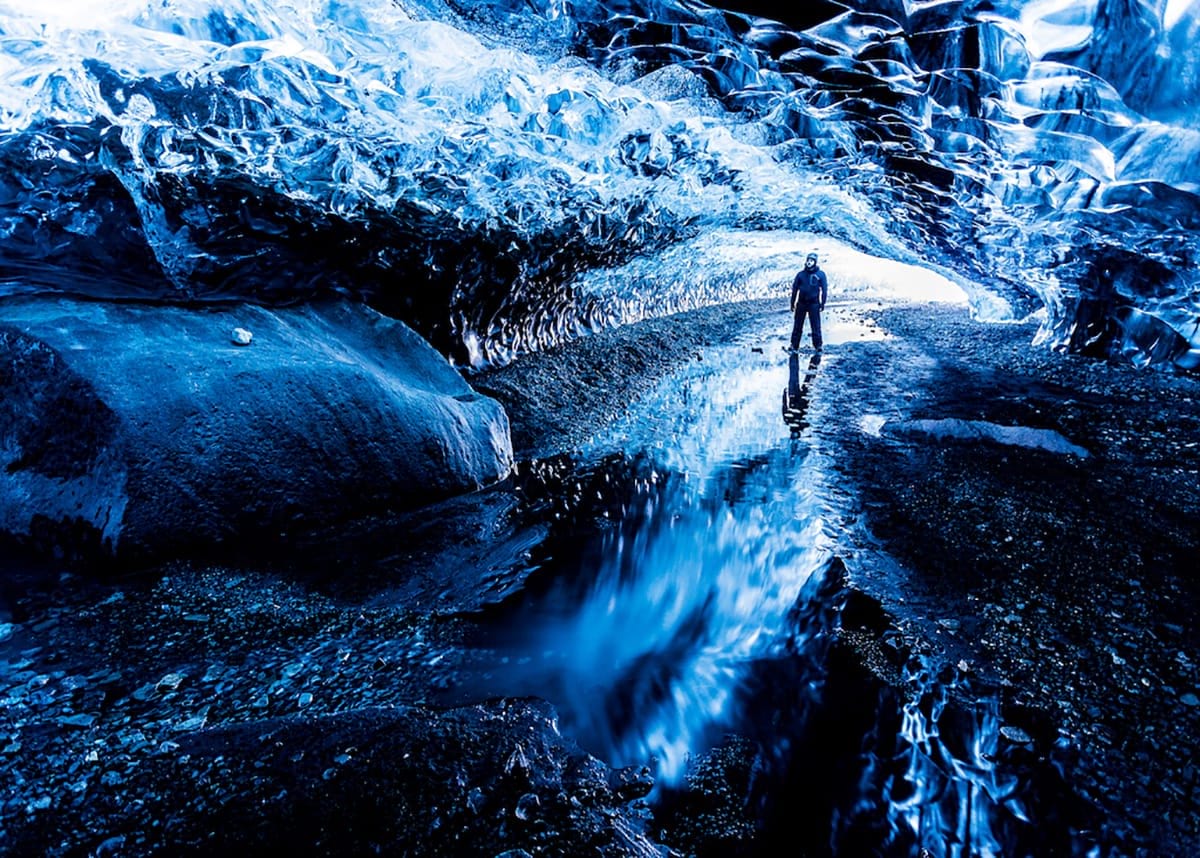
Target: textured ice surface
point(471, 167)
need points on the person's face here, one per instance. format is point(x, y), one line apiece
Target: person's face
point(810, 262)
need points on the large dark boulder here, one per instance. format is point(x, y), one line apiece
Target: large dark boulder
point(136, 430)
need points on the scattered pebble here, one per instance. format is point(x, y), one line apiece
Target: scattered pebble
point(81, 720)
point(170, 682)
point(1015, 735)
point(527, 806)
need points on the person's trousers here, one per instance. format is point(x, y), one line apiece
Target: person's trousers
point(813, 312)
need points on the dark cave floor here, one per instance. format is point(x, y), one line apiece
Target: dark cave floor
point(250, 694)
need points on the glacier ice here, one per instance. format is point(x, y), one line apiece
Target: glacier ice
point(475, 168)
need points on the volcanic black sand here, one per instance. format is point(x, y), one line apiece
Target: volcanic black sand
point(1067, 580)
point(290, 696)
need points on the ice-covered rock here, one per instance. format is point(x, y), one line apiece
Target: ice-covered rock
point(143, 429)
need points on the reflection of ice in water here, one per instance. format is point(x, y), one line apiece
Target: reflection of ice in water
point(706, 414)
point(684, 596)
point(695, 583)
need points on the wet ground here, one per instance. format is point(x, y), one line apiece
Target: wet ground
point(930, 591)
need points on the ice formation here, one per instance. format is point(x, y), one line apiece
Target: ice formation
point(476, 168)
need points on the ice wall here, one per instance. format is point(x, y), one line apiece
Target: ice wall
point(472, 167)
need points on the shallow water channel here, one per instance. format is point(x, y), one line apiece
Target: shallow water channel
point(643, 631)
point(701, 593)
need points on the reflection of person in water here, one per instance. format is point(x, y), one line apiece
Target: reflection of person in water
point(795, 397)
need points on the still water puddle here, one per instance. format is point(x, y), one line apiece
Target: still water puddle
point(723, 533)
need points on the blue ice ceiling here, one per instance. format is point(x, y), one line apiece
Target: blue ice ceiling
point(504, 174)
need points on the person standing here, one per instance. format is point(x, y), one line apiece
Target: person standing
point(809, 291)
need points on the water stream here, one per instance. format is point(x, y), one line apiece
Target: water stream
point(642, 637)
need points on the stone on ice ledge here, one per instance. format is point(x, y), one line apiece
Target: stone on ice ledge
point(140, 430)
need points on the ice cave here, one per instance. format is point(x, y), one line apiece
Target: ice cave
point(403, 451)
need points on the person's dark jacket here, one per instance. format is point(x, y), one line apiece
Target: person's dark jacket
point(810, 287)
